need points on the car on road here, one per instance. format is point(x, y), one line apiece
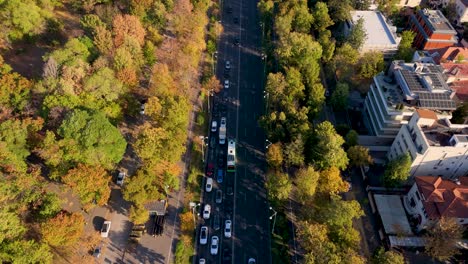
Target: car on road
point(223, 121)
point(209, 185)
point(212, 142)
point(229, 9)
point(219, 196)
point(142, 109)
point(214, 245)
point(327, 93)
point(227, 65)
point(120, 178)
point(226, 84)
point(227, 256)
point(226, 74)
point(105, 229)
point(202, 261)
point(210, 169)
point(220, 176)
point(227, 228)
point(236, 41)
point(251, 261)
point(207, 211)
point(216, 222)
point(203, 235)
point(228, 206)
point(220, 162)
point(236, 20)
point(97, 252)
point(229, 188)
point(214, 126)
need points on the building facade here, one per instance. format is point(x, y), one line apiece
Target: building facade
point(436, 147)
point(393, 99)
point(433, 30)
point(431, 198)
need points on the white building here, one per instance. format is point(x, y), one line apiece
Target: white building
point(431, 198)
point(392, 100)
point(436, 147)
point(462, 11)
point(381, 36)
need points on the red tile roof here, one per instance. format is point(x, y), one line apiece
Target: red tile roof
point(459, 70)
point(428, 114)
point(449, 53)
point(461, 89)
point(444, 197)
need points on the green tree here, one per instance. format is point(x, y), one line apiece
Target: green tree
point(297, 49)
point(327, 148)
point(293, 152)
point(278, 185)
point(90, 22)
point(328, 45)
point(90, 183)
point(344, 61)
point(359, 156)
point(460, 114)
point(405, 50)
point(397, 170)
point(14, 88)
point(339, 97)
point(352, 138)
point(103, 85)
point(358, 34)
point(361, 4)
point(141, 188)
point(339, 10)
point(72, 53)
point(11, 226)
point(63, 230)
point(274, 155)
point(321, 16)
point(21, 18)
point(91, 139)
point(49, 206)
point(387, 257)
point(25, 251)
point(306, 182)
point(370, 64)
point(313, 237)
point(138, 214)
point(442, 238)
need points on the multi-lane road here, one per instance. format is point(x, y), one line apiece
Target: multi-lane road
point(242, 105)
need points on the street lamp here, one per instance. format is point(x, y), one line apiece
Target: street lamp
point(194, 205)
point(268, 142)
point(273, 216)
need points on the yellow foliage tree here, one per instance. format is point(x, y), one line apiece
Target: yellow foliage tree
point(63, 230)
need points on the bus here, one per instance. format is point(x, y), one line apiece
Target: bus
point(231, 156)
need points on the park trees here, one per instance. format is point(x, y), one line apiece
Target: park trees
point(339, 97)
point(330, 182)
point(307, 180)
point(387, 257)
point(442, 238)
point(274, 155)
point(14, 88)
point(321, 16)
point(397, 170)
point(327, 149)
point(405, 50)
point(63, 230)
point(278, 185)
point(358, 34)
point(370, 64)
point(359, 156)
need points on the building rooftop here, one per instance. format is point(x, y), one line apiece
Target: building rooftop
point(437, 21)
point(379, 32)
point(461, 89)
point(443, 197)
point(457, 70)
point(448, 54)
point(442, 133)
point(390, 208)
point(423, 85)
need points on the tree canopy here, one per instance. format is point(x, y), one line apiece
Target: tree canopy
point(405, 50)
point(442, 238)
point(278, 184)
point(397, 170)
point(327, 151)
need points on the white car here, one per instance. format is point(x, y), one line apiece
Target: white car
point(226, 84)
point(142, 109)
point(209, 185)
point(214, 126)
point(203, 235)
point(207, 212)
point(214, 245)
point(120, 178)
point(227, 65)
point(251, 261)
point(227, 228)
point(202, 261)
point(105, 229)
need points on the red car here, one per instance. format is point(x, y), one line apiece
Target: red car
point(210, 170)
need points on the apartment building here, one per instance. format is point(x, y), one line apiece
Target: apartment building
point(433, 30)
point(431, 198)
point(392, 100)
point(436, 146)
point(461, 6)
point(381, 35)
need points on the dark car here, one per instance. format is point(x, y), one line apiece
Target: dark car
point(216, 222)
point(229, 190)
point(228, 206)
point(236, 20)
point(212, 142)
point(210, 169)
point(236, 42)
point(97, 252)
point(220, 162)
point(220, 176)
point(226, 255)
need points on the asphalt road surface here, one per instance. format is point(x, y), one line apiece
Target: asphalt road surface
point(242, 104)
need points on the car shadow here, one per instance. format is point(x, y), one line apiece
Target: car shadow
point(97, 222)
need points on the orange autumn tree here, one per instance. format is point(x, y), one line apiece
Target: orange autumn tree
point(127, 25)
point(90, 183)
point(63, 230)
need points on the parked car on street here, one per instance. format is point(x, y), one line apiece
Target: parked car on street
point(219, 196)
point(203, 235)
point(210, 169)
point(227, 228)
point(227, 65)
point(226, 84)
point(120, 178)
point(207, 211)
point(220, 176)
point(209, 185)
point(214, 126)
point(105, 229)
point(214, 245)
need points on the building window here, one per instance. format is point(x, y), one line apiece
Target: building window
point(412, 202)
